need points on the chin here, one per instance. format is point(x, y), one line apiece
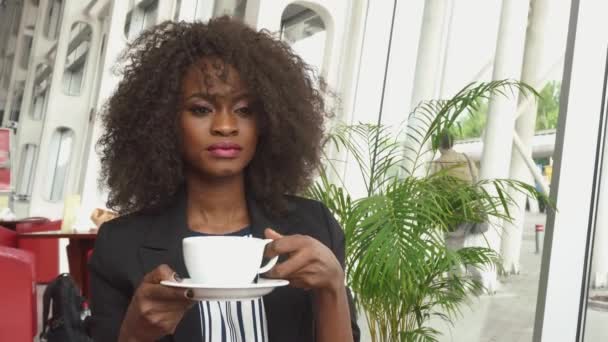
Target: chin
point(223, 173)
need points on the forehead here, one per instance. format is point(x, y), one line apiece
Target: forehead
point(211, 76)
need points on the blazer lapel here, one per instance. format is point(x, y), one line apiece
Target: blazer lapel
point(163, 243)
point(260, 220)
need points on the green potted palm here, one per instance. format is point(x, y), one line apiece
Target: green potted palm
point(397, 263)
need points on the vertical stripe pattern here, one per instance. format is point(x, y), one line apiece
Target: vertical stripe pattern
point(243, 321)
point(233, 321)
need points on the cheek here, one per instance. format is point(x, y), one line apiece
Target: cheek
point(192, 130)
point(252, 139)
point(190, 136)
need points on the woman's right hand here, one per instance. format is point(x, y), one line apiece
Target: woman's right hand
point(155, 309)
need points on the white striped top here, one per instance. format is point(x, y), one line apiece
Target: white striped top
point(235, 321)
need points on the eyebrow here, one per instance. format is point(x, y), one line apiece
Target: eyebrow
point(236, 96)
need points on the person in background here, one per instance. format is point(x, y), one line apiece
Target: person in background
point(213, 130)
point(454, 163)
point(458, 165)
point(100, 216)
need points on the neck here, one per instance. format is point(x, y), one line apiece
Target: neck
point(216, 206)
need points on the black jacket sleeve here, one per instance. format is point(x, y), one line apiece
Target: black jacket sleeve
point(108, 302)
point(338, 246)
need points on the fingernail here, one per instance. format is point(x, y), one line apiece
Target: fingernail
point(189, 294)
point(177, 277)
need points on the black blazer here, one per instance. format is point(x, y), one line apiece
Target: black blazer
point(130, 246)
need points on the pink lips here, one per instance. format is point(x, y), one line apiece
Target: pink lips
point(225, 150)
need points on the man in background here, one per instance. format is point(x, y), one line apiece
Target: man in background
point(456, 164)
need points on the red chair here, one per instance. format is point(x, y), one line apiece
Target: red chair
point(8, 237)
point(18, 312)
point(45, 250)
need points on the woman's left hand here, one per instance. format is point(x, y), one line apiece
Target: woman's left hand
point(310, 265)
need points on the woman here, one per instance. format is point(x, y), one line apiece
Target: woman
point(210, 129)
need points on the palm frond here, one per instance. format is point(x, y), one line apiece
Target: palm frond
point(397, 262)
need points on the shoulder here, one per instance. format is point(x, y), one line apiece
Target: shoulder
point(462, 156)
point(308, 209)
point(118, 239)
point(129, 228)
point(311, 217)
point(298, 203)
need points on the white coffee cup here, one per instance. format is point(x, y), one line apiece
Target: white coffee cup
point(225, 260)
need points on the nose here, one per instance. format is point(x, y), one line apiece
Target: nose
point(224, 124)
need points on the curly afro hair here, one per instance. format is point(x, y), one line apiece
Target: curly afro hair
point(140, 148)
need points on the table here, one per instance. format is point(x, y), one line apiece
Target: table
point(81, 242)
point(13, 224)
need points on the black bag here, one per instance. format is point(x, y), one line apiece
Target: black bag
point(65, 323)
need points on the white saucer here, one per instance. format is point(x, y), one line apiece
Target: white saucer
point(227, 292)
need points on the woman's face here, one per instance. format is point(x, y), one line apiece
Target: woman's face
point(217, 121)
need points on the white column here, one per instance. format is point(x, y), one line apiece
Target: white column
point(576, 145)
point(195, 10)
point(7, 46)
point(496, 157)
point(599, 265)
point(426, 78)
point(92, 195)
point(64, 110)
point(428, 68)
point(399, 83)
point(525, 126)
point(18, 73)
point(225, 7)
point(165, 10)
point(29, 130)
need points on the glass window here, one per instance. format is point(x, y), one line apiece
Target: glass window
point(59, 161)
point(305, 31)
point(78, 48)
point(127, 28)
point(17, 21)
point(26, 171)
point(150, 12)
point(596, 311)
point(16, 107)
point(178, 6)
point(39, 101)
point(233, 8)
point(27, 50)
point(53, 19)
point(6, 73)
point(140, 18)
point(41, 86)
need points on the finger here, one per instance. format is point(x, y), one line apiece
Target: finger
point(287, 244)
point(300, 284)
point(272, 234)
point(165, 307)
point(160, 273)
point(292, 265)
point(158, 292)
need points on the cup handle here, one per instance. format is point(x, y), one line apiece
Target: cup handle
point(270, 264)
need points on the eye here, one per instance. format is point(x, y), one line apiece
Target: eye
point(199, 110)
point(244, 110)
